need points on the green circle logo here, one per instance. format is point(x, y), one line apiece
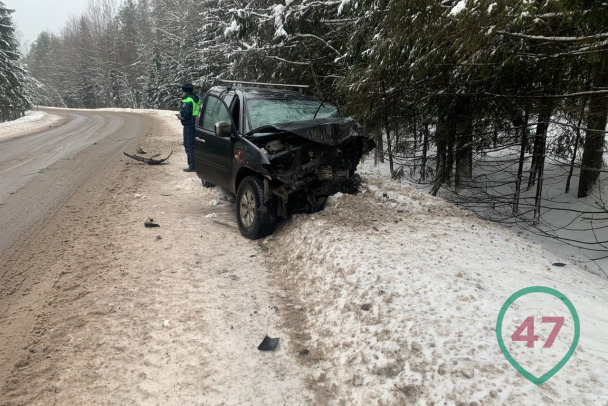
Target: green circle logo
point(531, 338)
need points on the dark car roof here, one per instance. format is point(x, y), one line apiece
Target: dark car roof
point(262, 93)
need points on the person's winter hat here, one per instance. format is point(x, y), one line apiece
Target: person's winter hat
point(187, 87)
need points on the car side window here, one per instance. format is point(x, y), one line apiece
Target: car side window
point(215, 111)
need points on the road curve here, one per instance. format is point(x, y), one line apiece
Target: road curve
point(40, 171)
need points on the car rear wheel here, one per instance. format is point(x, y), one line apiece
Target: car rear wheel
point(255, 219)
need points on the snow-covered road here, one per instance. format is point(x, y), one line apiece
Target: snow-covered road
point(95, 308)
point(33, 121)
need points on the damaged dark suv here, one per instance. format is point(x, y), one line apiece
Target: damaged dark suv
point(276, 152)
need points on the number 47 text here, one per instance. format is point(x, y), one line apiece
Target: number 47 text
point(530, 338)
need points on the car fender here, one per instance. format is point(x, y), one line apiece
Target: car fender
point(246, 154)
point(249, 160)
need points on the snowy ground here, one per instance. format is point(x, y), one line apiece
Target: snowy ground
point(573, 228)
point(400, 292)
point(166, 114)
point(32, 121)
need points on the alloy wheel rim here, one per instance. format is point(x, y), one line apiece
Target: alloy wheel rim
point(247, 209)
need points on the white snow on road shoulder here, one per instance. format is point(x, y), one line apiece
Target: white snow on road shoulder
point(32, 121)
point(170, 114)
point(402, 292)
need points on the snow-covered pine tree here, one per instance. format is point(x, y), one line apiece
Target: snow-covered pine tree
point(175, 55)
point(13, 76)
point(218, 42)
point(298, 42)
point(144, 48)
point(128, 56)
point(591, 20)
point(44, 68)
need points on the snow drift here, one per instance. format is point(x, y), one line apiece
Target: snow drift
point(392, 297)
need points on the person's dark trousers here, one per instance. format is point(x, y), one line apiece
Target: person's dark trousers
point(189, 135)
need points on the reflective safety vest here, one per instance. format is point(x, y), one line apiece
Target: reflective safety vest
point(196, 107)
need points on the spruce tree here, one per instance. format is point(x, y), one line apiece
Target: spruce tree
point(13, 76)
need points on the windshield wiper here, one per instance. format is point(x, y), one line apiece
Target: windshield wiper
point(319, 108)
point(263, 129)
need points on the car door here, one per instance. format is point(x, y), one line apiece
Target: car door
point(213, 155)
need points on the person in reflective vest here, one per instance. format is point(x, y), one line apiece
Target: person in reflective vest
point(188, 112)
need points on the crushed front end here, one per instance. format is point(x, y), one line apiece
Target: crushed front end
point(311, 160)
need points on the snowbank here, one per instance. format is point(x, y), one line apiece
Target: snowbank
point(32, 121)
point(570, 227)
point(39, 120)
point(397, 294)
point(152, 112)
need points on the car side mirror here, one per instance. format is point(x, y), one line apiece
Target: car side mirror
point(223, 129)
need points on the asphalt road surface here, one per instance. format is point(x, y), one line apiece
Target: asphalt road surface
point(39, 172)
point(95, 308)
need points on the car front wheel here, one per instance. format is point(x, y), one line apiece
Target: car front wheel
point(255, 219)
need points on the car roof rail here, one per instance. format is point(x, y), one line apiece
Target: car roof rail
point(240, 82)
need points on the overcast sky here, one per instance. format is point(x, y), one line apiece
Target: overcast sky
point(31, 17)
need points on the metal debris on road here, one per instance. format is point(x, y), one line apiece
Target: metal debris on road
point(268, 344)
point(149, 161)
point(150, 223)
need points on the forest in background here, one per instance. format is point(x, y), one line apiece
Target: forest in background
point(439, 83)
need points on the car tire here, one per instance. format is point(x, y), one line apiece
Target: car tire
point(208, 184)
point(255, 219)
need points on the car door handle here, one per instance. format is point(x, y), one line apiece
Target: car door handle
point(199, 139)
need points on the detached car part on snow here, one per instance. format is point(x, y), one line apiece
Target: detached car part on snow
point(276, 152)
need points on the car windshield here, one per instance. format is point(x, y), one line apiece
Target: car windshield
point(277, 111)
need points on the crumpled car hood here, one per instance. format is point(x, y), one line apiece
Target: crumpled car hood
point(326, 131)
